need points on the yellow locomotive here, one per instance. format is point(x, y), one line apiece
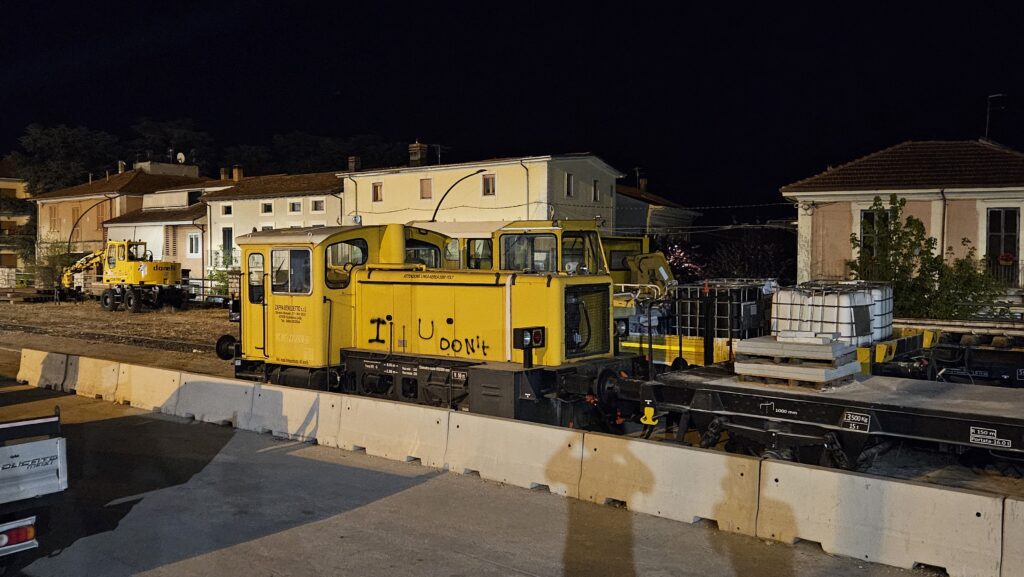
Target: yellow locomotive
point(510, 319)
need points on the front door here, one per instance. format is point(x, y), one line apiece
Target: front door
point(254, 314)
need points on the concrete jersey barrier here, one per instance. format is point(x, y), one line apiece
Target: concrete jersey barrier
point(1013, 538)
point(666, 480)
point(399, 431)
point(216, 400)
point(148, 388)
point(881, 520)
point(93, 378)
point(514, 452)
point(42, 369)
point(287, 412)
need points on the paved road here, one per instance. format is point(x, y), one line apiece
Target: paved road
point(159, 496)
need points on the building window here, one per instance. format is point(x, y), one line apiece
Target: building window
point(53, 217)
point(267, 208)
point(490, 185)
point(378, 191)
point(225, 210)
point(267, 227)
point(101, 215)
point(316, 205)
point(871, 231)
point(8, 193)
point(294, 206)
point(568, 185)
point(1003, 234)
point(195, 245)
point(596, 191)
point(426, 188)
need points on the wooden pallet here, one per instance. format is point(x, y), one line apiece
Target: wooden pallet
point(797, 360)
point(796, 383)
point(20, 297)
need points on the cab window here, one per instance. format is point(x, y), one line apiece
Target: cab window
point(347, 252)
point(529, 252)
point(421, 252)
point(120, 252)
point(581, 253)
point(111, 260)
point(256, 278)
point(290, 270)
point(478, 254)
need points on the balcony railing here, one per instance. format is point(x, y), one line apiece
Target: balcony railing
point(1007, 275)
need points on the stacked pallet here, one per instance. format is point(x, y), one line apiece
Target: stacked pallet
point(19, 296)
point(815, 361)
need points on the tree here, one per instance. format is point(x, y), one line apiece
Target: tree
point(60, 156)
point(156, 138)
point(754, 254)
point(898, 251)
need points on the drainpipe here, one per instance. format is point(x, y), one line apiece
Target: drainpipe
point(942, 243)
point(356, 193)
point(527, 188)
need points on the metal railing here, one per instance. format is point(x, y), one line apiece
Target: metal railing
point(1007, 275)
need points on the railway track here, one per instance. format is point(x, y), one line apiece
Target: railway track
point(112, 337)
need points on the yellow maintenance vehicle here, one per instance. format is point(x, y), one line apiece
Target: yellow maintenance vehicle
point(131, 277)
point(524, 330)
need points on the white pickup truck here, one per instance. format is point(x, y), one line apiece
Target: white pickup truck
point(33, 469)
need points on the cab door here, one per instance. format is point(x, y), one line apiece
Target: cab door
point(254, 304)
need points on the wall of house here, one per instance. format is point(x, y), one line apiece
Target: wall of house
point(90, 234)
point(175, 199)
point(151, 234)
point(179, 248)
point(830, 240)
point(962, 222)
point(581, 204)
point(401, 200)
point(630, 215)
point(13, 188)
point(247, 215)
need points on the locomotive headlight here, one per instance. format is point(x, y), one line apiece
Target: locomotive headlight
point(621, 328)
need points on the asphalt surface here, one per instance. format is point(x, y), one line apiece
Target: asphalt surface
point(157, 495)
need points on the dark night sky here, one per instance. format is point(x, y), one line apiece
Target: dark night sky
point(719, 105)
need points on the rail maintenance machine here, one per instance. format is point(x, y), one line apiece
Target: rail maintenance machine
point(397, 312)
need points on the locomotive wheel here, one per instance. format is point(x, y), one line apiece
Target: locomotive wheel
point(133, 301)
point(108, 300)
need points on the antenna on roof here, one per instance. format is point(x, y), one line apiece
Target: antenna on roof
point(988, 110)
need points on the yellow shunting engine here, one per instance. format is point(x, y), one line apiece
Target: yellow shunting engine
point(510, 319)
point(131, 277)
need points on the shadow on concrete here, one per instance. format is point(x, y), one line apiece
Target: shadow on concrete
point(150, 490)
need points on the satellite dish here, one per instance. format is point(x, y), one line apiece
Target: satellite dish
point(181, 158)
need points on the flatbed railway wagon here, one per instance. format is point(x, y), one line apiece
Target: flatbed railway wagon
point(845, 426)
point(371, 310)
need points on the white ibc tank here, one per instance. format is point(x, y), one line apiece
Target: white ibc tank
point(859, 313)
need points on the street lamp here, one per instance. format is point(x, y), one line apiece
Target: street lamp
point(71, 234)
point(438, 207)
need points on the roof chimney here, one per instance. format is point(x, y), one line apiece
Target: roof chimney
point(236, 172)
point(354, 163)
point(121, 165)
point(418, 154)
point(643, 185)
point(224, 173)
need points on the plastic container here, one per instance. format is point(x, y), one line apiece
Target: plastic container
point(741, 308)
point(860, 313)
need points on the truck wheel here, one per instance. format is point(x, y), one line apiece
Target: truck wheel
point(133, 301)
point(108, 301)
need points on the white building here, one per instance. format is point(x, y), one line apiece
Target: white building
point(565, 186)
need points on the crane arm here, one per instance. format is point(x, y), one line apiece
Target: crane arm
point(85, 263)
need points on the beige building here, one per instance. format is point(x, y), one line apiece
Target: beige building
point(639, 211)
point(15, 211)
point(958, 189)
point(77, 214)
point(243, 205)
point(565, 186)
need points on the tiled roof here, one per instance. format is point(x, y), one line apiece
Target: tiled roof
point(923, 165)
point(132, 182)
point(634, 192)
point(279, 185)
point(155, 215)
